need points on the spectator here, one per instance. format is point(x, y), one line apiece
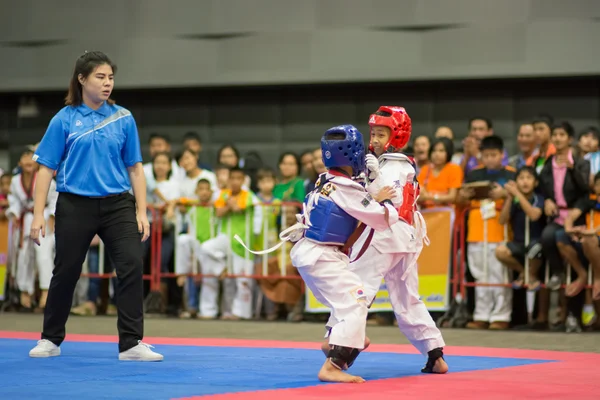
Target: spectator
point(192, 141)
point(493, 305)
point(564, 180)
point(421, 151)
point(222, 175)
point(587, 142)
point(318, 167)
point(236, 209)
point(587, 234)
point(308, 170)
point(159, 143)
point(593, 157)
point(290, 187)
point(228, 155)
point(252, 163)
point(522, 203)
point(444, 131)
point(187, 184)
point(201, 228)
point(526, 143)
point(542, 129)
point(170, 190)
point(479, 128)
point(440, 180)
point(4, 191)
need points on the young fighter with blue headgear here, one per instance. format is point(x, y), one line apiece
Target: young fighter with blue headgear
point(332, 214)
point(393, 253)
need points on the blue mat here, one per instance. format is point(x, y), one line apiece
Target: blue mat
point(92, 371)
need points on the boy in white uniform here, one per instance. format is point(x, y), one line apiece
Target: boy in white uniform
point(31, 257)
point(332, 213)
point(393, 253)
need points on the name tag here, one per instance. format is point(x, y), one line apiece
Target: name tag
point(488, 209)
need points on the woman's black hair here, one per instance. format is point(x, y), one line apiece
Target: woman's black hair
point(448, 146)
point(168, 155)
point(296, 159)
point(84, 66)
point(233, 148)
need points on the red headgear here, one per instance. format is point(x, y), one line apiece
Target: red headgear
point(399, 124)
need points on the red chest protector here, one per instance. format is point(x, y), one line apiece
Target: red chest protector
point(410, 194)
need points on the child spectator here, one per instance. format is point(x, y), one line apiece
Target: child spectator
point(522, 202)
point(235, 208)
point(493, 305)
point(585, 238)
point(201, 227)
point(31, 257)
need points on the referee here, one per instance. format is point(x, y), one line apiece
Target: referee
point(93, 146)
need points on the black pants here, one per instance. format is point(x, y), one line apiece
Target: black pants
point(78, 219)
point(550, 249)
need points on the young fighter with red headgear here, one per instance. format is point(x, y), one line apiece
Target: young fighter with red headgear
point(392, 254)
point(334, 214)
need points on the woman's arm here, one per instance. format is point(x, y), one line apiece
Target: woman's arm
point(42, 186)
point(138, 184)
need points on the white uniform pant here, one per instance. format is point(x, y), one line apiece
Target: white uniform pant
point(414, 320)
point(340, 289)
point(32, 257)
point(492, 304)
point(212, 255)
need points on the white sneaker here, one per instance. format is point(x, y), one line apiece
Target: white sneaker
point(141, 352)
point(44, 348)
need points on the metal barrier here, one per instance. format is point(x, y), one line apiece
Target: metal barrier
point(280, 208)
point(459, 280)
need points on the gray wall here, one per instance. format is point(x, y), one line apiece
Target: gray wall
point(182, 43)
point(273, 119)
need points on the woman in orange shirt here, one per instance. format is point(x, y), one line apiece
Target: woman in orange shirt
point(440, 180)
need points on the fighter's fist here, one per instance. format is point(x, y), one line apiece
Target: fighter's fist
point(372, 166)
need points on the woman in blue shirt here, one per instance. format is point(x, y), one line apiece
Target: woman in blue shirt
point(93, 146)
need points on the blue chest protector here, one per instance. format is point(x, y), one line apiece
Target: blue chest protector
point(329, 223)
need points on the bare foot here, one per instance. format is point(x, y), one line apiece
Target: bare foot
point(329, 373)
point(596, 289)
point(325, 345)
point(440, 366)
point(576, 287)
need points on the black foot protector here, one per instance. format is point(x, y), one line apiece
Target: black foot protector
point(342, 357)
point(434, 355)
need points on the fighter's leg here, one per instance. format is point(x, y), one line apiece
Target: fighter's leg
point(341, 290)
point(370, 268)
point(414, 320)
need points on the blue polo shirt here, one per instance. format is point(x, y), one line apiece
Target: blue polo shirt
point(91, 149)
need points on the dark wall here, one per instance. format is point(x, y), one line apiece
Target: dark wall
point(273, 119)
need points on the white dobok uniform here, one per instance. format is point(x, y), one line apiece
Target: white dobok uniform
point(30, 256)
point(321, 263)
point(392, 256)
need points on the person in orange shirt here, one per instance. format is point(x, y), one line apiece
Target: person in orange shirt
point(441, 179)
point(493, 305)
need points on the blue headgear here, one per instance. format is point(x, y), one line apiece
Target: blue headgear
point(347, 152)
